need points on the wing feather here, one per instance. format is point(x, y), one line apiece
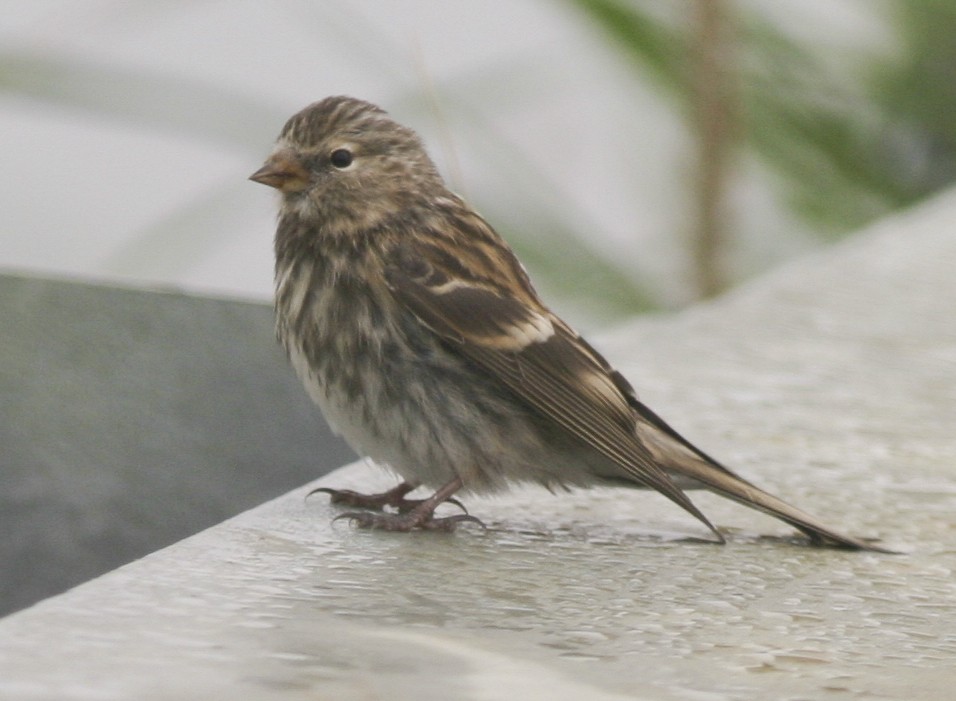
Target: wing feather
point(535, 355)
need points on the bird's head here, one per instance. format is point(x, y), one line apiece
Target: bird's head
point(345, 158)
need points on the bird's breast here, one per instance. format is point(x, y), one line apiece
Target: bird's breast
point(362, 361)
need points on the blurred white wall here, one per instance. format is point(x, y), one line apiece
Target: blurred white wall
point(533, 108)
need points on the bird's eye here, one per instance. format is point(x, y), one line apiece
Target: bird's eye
point(341, 158)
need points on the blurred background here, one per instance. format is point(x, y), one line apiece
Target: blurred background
point(639, 154)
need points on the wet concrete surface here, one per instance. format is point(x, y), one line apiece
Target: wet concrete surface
point(832, 383)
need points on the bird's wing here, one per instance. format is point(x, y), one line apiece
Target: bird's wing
point(505, 330)
point(499, 324)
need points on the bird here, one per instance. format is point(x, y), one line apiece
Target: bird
point(417, 331)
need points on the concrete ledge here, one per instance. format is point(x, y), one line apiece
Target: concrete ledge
point(830, 382)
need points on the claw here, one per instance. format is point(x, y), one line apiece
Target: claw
point(337, 494)
point(394, 497)
point(409, 505)
point(406, 522)
point(461, 506)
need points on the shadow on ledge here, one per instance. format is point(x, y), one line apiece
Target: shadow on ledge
point(131, 419)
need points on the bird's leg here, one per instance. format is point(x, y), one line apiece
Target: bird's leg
point(394, 497)
point(421, 515)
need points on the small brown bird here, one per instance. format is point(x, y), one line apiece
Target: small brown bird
point(418, 333)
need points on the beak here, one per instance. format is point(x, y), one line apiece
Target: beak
point(284, 171)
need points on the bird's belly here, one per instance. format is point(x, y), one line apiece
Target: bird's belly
point(387, 424)
point(346, 415)
point(431, 423)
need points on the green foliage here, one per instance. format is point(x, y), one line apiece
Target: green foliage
point(847, 148)
point(917, 92)
point(653, 45)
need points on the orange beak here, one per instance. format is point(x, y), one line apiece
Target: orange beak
point(284, 171)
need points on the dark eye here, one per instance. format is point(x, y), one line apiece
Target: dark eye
point(341, 158)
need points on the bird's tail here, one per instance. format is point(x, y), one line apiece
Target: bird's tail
point(727, 484)
point(689, 465)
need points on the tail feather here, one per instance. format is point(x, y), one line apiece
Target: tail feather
point(686, 462)
point(746, 493)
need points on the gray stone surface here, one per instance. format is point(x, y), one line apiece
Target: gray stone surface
point(130, 419)
point(831, 382)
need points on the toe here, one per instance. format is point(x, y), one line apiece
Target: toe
point(450, 523)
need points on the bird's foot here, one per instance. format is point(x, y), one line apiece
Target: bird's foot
point(394, 498)
point(412, 514)
point(408, 521)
